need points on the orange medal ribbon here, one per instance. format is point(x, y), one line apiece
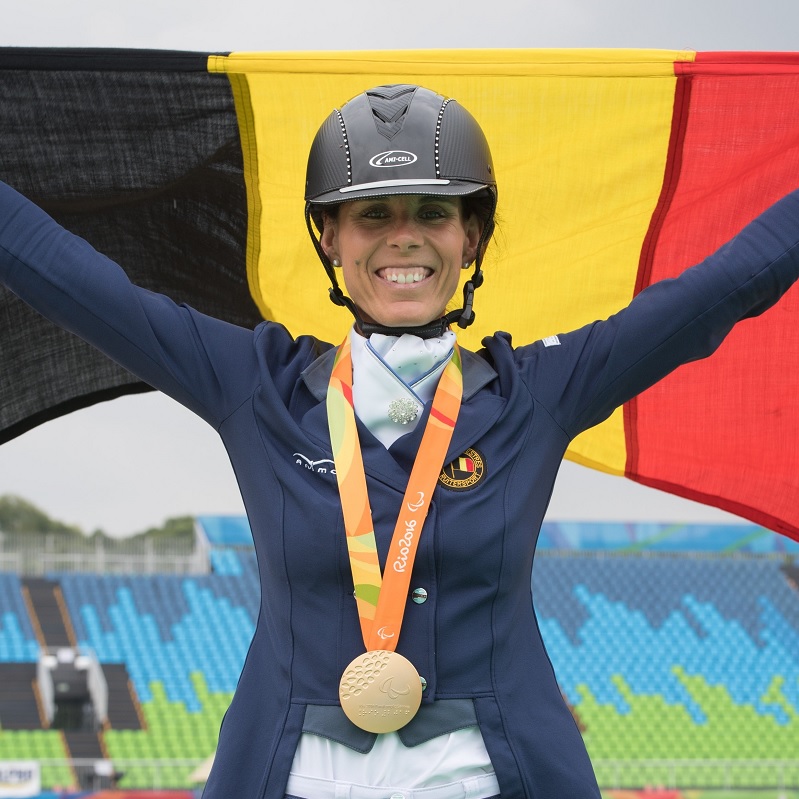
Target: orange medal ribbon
point(381, 598)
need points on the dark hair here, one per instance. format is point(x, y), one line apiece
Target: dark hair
point(481, 204)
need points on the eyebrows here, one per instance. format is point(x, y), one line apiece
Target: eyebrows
point(421, 199)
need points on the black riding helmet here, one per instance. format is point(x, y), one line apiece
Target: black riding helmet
point(400, 139)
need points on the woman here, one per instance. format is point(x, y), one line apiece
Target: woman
point(402, 191)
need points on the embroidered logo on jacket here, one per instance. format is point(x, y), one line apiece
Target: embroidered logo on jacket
point(464, 472)
point(324, 466)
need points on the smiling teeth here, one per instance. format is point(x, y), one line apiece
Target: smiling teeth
point(404, 277)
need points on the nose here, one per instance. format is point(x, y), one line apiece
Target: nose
point(404, 234)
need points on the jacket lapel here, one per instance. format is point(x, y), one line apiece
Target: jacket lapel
point(479, 411)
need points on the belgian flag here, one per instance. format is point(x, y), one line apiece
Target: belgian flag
point(616, 168)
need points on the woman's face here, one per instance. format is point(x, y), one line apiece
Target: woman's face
point(401, 256)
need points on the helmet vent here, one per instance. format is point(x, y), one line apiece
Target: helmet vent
point(390, 106)
point(438, 137)
point(346, 145)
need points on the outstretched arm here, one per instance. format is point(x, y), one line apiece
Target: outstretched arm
point(204, 363)
point(604, 364)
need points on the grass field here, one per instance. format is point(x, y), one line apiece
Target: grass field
point(744, 794)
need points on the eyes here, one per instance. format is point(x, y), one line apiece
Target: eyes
point(428, 211)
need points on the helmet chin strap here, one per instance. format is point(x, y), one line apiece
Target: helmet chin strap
point(462, 316)
point(431, 330)
point(437, 327)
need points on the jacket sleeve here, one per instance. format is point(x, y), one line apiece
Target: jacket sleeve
point(597, 368)
point(203, 363)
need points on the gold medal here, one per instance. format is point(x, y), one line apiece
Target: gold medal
point(380, 691)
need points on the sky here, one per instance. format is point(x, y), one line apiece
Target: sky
point(126, 465)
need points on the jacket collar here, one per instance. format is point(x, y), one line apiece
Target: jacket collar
point(476, 374)
point(478, 414)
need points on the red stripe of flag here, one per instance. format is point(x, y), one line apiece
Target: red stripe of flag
point(715, 430)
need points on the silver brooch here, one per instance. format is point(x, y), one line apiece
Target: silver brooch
point(403, 410)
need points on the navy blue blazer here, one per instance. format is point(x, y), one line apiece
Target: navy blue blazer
point(476, 637)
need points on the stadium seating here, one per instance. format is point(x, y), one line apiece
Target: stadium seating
point(183, 640)
point(675, 657)
point(662, 655)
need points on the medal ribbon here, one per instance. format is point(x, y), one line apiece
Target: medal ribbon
point(381, 598)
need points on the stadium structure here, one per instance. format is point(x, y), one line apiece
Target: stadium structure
point(676, 646)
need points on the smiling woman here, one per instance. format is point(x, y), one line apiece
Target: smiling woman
point(397, 652)
point(401, 256)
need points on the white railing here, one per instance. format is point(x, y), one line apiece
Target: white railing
point(706, 773)
point(95, 775)
point(44, 681)
point(36, 555)
point(11, 562)
point(778, 775)
point(97, 685)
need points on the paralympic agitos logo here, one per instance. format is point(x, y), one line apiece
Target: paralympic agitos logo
point(393, 158)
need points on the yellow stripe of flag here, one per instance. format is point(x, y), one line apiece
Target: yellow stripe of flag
point(579, 139)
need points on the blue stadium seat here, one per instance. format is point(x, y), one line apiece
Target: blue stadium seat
point(732, 621)
point(165, 628)
point(17, 640)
